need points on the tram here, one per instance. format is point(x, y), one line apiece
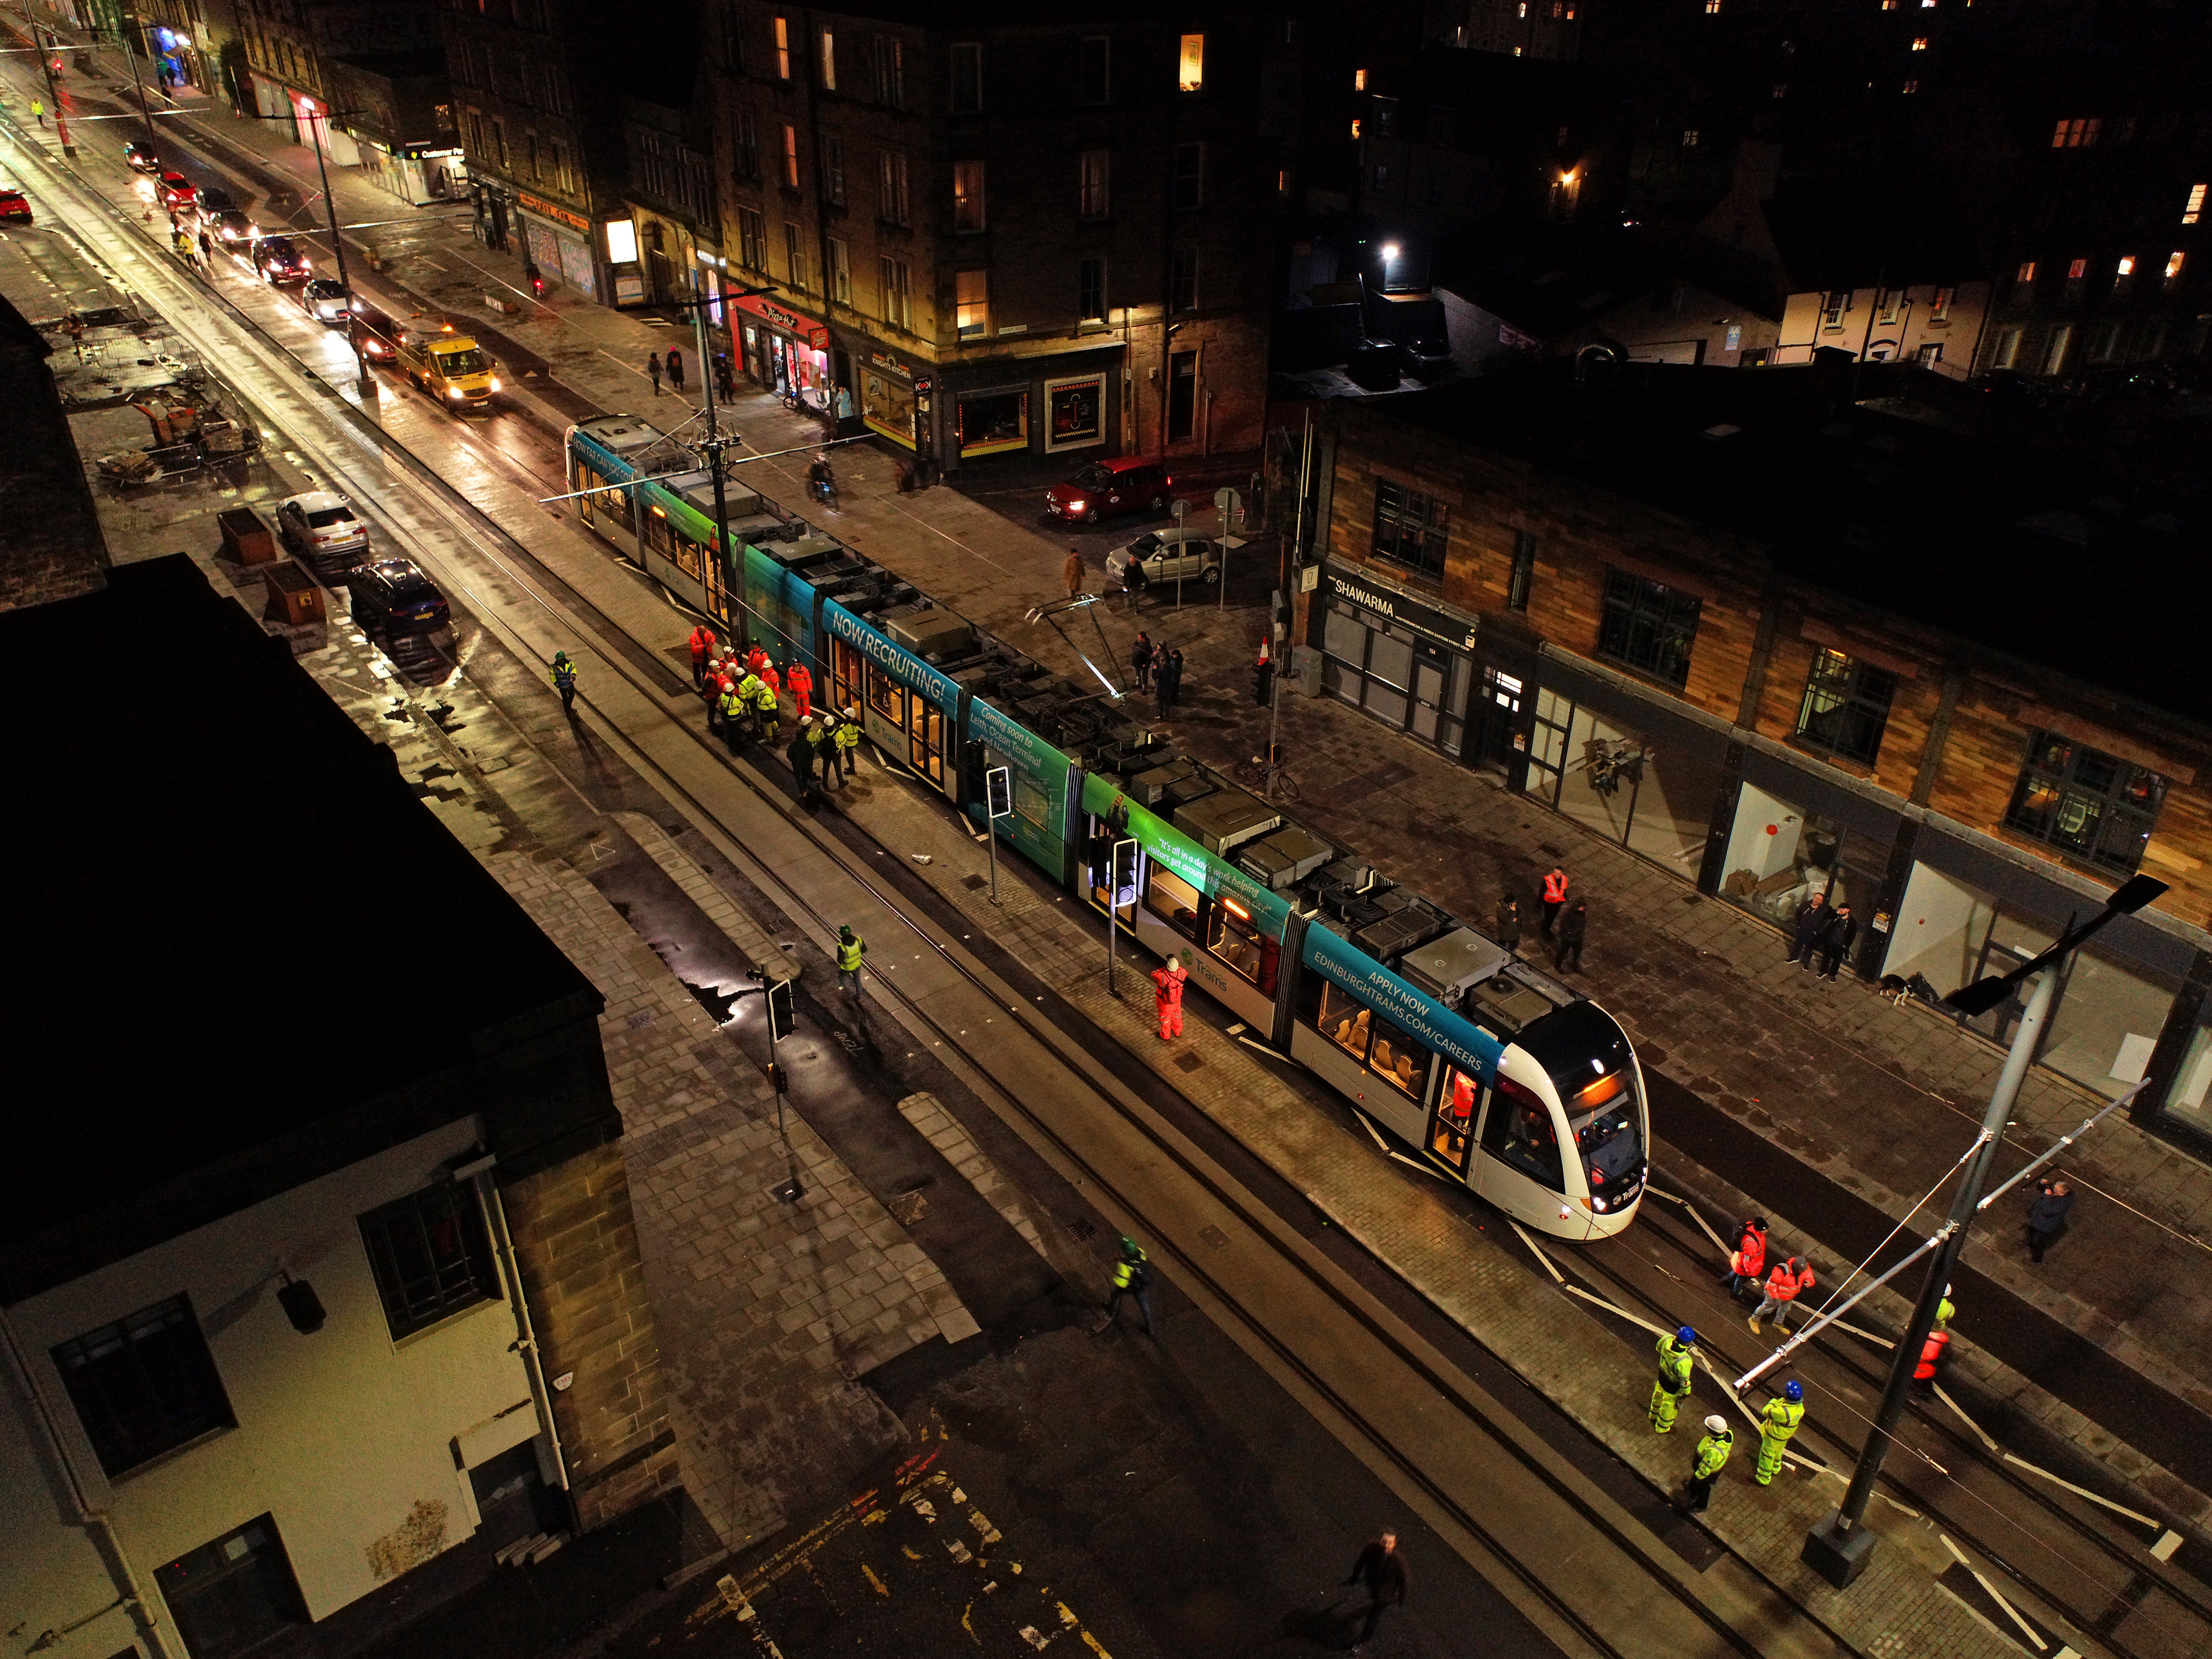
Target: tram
point(1498, 1076)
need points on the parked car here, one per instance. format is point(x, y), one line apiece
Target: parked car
point(321, 527)
point(176, 192)
point(392, 596)
point(141, 156)
point(1168, 555)
point(1128, 483)
point(14, 207)
point(275, 259)
point(326, 301)
point(231, 228)
point(1427, 360)
point(375, 333)
point(1374, 364)
point(212, 199)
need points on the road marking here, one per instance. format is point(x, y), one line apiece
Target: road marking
point(871, 1573)
point(1979, 1430)
point(1425, 1168)
point(2168, 1542)
point(1535, 1249)
point(2083, 1491)
point(1369, 1128)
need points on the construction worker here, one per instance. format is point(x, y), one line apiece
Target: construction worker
point(1706, 1463)
point(1167, 997)
point(1133, 1275)
point(730, 707)
point(1945, 1311)
point(1748, 1259)
point(851, 947)
point(703, 643)
point(748, 690)
point(1673, 1387)
point(1776, 1424)
point(804, 743)
point(564, 682)
point(1931, 1355)
point(1555, 896)
point(1783, 1285)
point(801, 683)
point(772, 677)
point(769, 706)
point(822, 747)
point(848, 741)
point(756, 660)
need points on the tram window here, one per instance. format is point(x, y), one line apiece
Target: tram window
point(1398, 1059)
point(656, 532)
point(1603, 1121)
point(686, 553)
point(1519, 1131)
point(1233, 936)
point(1343, 1021)
point(886, 696)
point(845, 672)
point(1454, 1122)
point(1173, 900)
point(615, 504)
point(925, 737)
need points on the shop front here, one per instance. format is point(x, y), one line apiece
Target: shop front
point(415, 174)
point(1793, 834)
point(558, 241)
point(274, 101)
point(785, 352)
point(1400, 660)
point(891, 406)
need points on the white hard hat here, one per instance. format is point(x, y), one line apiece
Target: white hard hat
point(1717, 1424)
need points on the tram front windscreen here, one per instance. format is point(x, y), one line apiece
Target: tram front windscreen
point(1589, 1059)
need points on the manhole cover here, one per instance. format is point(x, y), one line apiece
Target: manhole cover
point(1083, 1226)
point(1214, 1235)
point(908, 1208)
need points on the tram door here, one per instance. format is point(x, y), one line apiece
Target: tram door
point(1451, 1124)
point(717, 599)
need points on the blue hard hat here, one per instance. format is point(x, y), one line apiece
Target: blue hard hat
point(1685, 1334)
point(1792, 1391)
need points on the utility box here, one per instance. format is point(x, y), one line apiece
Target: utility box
point(1226, 819)
point(295, 600)
point(246, 536)
point(932, 634)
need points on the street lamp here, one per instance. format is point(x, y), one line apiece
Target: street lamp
point(316, 113)
point(1840, 1547)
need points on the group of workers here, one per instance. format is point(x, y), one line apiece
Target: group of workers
point(744, 694)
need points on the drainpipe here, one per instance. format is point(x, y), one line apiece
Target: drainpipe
point(95, 1521)
point(478, 1174)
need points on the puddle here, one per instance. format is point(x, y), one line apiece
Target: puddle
point(717, 1003)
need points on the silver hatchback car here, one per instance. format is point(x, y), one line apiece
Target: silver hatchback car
point(1168, 555)
point(322, 527)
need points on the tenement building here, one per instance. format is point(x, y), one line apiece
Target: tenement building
point(1806, 631)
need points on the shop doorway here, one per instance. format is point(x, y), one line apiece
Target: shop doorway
point(1182, 395)
point(1405, 680)
point(1497, 717)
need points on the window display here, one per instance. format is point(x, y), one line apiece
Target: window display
point(887, 406)
point(1654, 800)
point(992, 423)
point(1778, 857)
point(1075, 413)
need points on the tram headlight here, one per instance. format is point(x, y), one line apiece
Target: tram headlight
point(1598, 1204)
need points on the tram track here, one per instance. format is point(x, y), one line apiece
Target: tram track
point(564, 612)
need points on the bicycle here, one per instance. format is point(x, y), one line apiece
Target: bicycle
point(1271, 779)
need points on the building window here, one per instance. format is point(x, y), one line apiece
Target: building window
point(2195, 206)
point(1647, 626)
point(1846, 706)
point(733, 41)
point(1182, 395)
point(1690, 138)
point(1410, 528)
point(833, 169)
point(1939, 309)
point(967, 76)
point(890, 72)
point(790, 156)
point(967, 195)
point(1189, 177)
point(2086, 804)
point(840, 272)
point(972, 303)
point(1920, 43)
point(1090, 290)
point(752, 241)
point(1190, 71)
point(2007, 355)
point(2025, 277)
point(794, 254)
point(1094, 174)
point(230, 1596)
point(1094, 59)
point(890, 187)
point(429, 1254)
point(2079, 134)
point(1183, 277)
point(783, 49)
point(1712, 8)
point(1832, 307)
point(893, 278)
point(1522, 576)
point(829, 60)
point(1888, 304)
point(143, 1385)
point(2173, 264)
point(1359, 80)
point(748, 146)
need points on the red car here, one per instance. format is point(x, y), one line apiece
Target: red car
point(14, 207)
point(1128, 483)
point(178, 194)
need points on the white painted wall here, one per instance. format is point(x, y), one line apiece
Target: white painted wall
point(340, 1435)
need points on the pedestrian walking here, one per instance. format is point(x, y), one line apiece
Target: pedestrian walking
point(1555, 896)
point(1806, 928)
point(731, 706)
point(1133, 1278)
point(564, 682)
point(1748, 1259)
point(800, 754)
point(725, 385)
point(1946, 1310)
point(1132, 582)
point(1932, 1356)
point(801, 679)
point(1836, 940)
point(207, 250)
point(1573, 926)
point(676, 371)
point(851, 948)
point(1174, 680)
point(1672, 1385)
point(1071, 573)
point(1776, 1424)
point(1167, 997)
point(1783, 1286)
point(1706, 1462)
point(653, 368)
point(1507, 932)
point(848, 741)
point(39, 109)
point(1141, 660)
point(1381, 1571)
point(702, 644)
point(2047, 1217)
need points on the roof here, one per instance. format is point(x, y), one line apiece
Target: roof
point(231, 879)
point(1989, 541)
point(60, 550)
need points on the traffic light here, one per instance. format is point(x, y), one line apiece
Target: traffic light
point(1263, 684)
point(1098, 854)
point(780, 1023)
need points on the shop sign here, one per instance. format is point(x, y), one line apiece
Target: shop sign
point(551, 211)
point(889, 364)
point(813, 335)
point(1443, 628)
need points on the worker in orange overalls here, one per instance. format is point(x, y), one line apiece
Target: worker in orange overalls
point(1167, 998)
point(1783, 1286)
point(1555, 897)
point(770, 678)
point(703, 643)
point(756, 660)
point(802, 687)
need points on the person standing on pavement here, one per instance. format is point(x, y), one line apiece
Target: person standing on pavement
point(756, 659)
point(1071, 573)
point(1931, 1357)
point(822, 755)
point(39, 109)
point(1163, 682)
point(2047, 1217)
point(564, 682)
point(1836, 940)
point(1748, 1259)
point(731, 707)
point(653, 368)
point(1706, 1463)
point(1781, 1419)
point(1132, 582)
point(1508, 930)
point(851, 948)
point(1672, 1385)
point(768, 705)
point(848, 741)
point(1141, 660)
point(703, 643)
point(801, 679)
point(724, 386)
point(1133, 1278)
point(804, 740)
point(1381, 1571)
point(1555, 896)
point(676, 371)
point(1167, 997)
point(1573, 926)
point(1784, 1285)
point(1806, 928)
point(1174, 681)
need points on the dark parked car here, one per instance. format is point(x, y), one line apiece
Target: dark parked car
point(213, 199)
point(276, 260)
point(1426, 361)
point(392, 596)
point(141, 156)
point(1375, 365)
point(1128, 483)
point(230, 228)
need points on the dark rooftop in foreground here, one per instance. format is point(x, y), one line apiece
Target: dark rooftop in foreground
point(57, 550)
point(1877, 487)
point(235, 924)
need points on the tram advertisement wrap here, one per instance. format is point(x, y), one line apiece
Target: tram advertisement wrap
point(1103, 799)
point(1424, 1016)
point(1039, 824)
point(908, 670)
point(782, 607)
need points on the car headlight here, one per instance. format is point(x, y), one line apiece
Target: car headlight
point(455, 393)
point(493, 385)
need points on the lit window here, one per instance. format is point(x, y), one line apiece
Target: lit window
point(1190, 74)
point(1355, 129)
point(1920, 43)
point(972, 294)
point(2189, 213)
point(1690, 138)
point(1282, 181)
point(791, 156)
point(1939, 309)
point(2027, 271)
point(2078, 134)
point(967, 195)
point(1359, 80)
point(2086, 804)
point(2127, 265)
point(2077, 271)
point(783, 49)
point(2173, 264)
point(1889, 5)
point(1911, 87)
point(828, 61)
point(1712, 8)
point(1781, 89)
